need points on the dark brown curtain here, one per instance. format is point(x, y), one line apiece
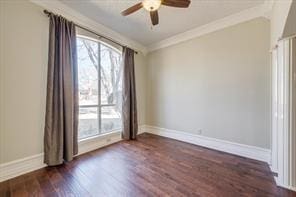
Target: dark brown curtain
point(60, 133)
point(129, 101)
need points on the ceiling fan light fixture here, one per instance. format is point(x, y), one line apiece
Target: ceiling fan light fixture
point(151, 5)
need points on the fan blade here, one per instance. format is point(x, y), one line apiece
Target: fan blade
point(176, 3)
point(154, 17)
point(132, 9)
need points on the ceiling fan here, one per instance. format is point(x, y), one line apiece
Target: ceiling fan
point(153, 5)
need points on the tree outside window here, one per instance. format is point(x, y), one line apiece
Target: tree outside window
point(100, 87)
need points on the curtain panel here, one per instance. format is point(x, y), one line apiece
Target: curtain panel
point(61, 119)
point(129, 100)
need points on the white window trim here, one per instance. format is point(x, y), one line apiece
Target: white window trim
point(98, 141)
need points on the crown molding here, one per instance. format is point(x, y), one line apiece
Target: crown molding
point(58, 7)
point(268, 4)
point(243, 16)
point(71, 14)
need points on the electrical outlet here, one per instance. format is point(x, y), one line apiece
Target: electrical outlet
point(199, 132)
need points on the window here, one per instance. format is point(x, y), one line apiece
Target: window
point(100, 87)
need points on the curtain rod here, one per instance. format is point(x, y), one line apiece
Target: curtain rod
point(101, 36)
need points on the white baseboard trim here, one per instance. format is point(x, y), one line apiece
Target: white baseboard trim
point(141, 129)
point(278, 183)
point(273, 169)
point(243, 150)
point(292, 188)
point(21, 166)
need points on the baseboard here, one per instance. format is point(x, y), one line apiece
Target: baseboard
point(141, 129)
point(21, 166)
point(18, 167)
point(243, 150)
point(284, 186)
point(273, 169)
point(28, 164)
point(278, 183)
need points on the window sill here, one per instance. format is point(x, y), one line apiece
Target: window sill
point(96, 142)
point(100, 136)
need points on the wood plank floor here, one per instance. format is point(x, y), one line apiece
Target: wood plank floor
point(150, 166)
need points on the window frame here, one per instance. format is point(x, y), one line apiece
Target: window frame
point(99, 106)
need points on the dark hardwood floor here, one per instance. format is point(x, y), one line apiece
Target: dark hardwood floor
point(150, 166)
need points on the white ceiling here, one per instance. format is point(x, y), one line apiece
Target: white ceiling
point(172, 20)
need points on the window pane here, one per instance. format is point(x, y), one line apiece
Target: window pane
point(111, 76)
point(111, 118)
point(88, 122)
point(87, 71)
point(100, 83)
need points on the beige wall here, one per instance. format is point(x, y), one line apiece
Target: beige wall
point(219, 83)
point(23, 56)
point(24, 38)
point(141, 78)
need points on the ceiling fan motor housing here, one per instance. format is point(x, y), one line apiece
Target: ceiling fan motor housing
point(151, 5)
